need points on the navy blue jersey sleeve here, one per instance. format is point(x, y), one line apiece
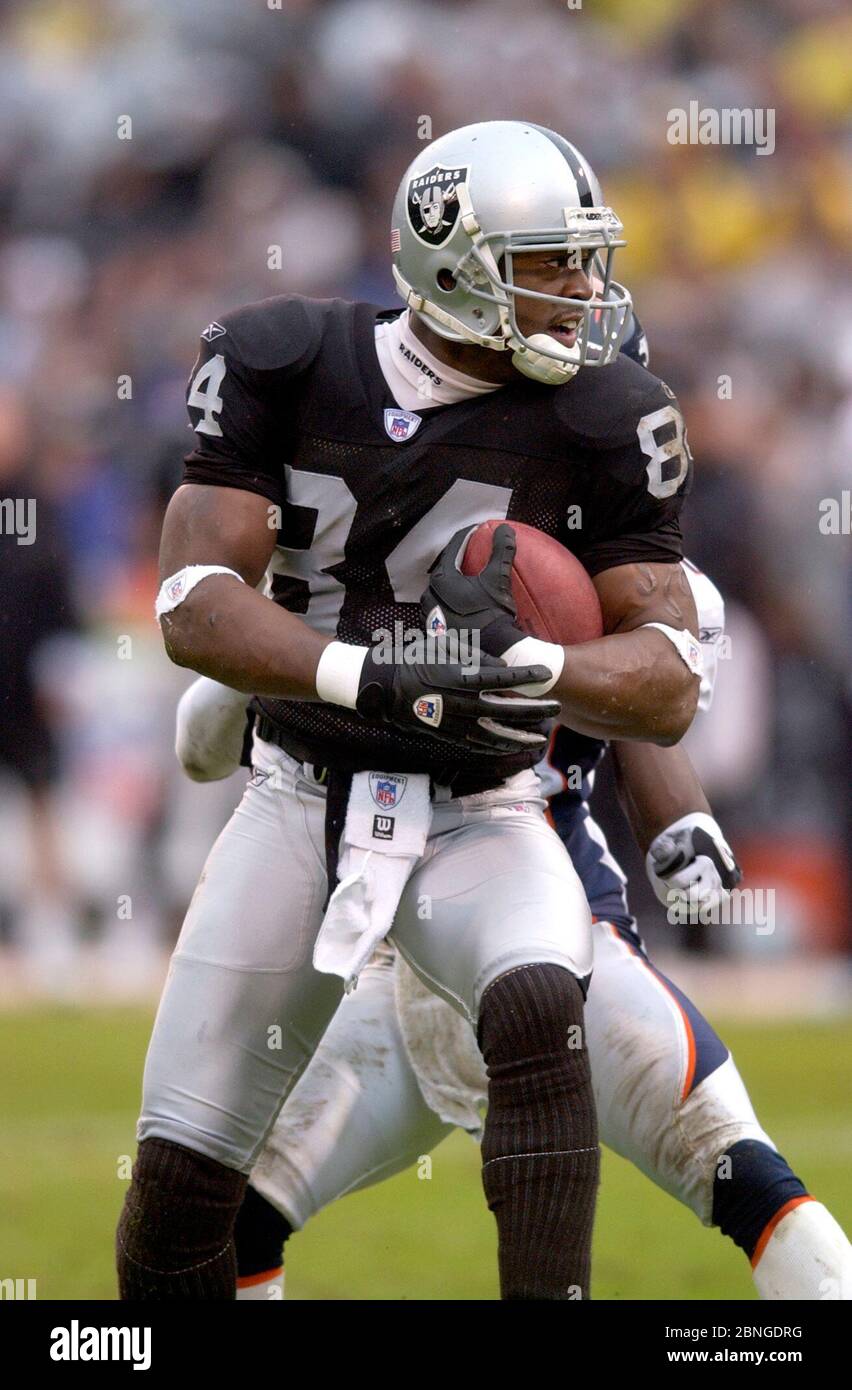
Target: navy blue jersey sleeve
point(240, 394)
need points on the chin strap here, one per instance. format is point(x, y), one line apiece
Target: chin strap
point(541, 366)
point(537, 365)
point(427, 309)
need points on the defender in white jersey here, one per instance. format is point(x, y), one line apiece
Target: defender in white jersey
point(398, 1069)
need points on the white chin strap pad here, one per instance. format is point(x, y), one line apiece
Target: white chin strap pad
point(539, 364)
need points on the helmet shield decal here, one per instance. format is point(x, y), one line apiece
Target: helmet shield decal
point(433, 205)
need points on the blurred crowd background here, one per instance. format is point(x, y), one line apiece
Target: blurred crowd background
point(259, 125)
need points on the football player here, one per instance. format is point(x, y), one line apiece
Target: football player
point(398, 1068)
point(320, 451)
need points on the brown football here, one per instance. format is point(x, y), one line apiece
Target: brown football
point(555, 597)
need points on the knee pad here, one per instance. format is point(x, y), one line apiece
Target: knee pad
point(532, 1039)
point(260, 1234)
point(175, 1235)
point(752, 1183)
point(531, 1011)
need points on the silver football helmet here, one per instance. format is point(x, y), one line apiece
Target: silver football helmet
point(473, 200)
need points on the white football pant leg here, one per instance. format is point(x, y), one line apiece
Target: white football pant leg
point(669, 1096)
point(243, 1008)
point(495, 890)
point(356, 1115)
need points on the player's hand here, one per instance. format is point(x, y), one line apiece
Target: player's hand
point(691, 864)
point(483, 605)
point(459, 703)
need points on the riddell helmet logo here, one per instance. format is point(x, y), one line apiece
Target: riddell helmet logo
point(433, 203)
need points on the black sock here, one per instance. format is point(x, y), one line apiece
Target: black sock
point(752, 1183)
point(259, 1235)
point(540, 1152)
point(175, 1235)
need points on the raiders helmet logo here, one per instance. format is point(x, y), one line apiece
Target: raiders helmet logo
point(433, 203)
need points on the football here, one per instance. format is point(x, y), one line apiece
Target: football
point(555, 597)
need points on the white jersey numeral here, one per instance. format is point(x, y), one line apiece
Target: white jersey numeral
point(464, 503)
point(210, 376)
point(664, 482)
point(335, 507)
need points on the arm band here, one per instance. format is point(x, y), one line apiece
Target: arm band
point(173, 591)
point(687, 647)
point(532, 651)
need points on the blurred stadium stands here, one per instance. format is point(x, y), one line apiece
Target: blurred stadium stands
point(258, 126)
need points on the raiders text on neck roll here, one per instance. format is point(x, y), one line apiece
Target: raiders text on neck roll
point(76, 1343)
point(419, 364)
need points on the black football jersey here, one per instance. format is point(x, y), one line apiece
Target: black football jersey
point(287, 399)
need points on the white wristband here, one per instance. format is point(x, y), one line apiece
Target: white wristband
point(173, 591)
point(339, 673)
point(532, 651)
point(687, 647)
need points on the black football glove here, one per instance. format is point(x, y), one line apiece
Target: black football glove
point(457, 703)
point(479, 603)
point(483, 604)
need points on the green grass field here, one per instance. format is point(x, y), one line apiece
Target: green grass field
point(69, 1086)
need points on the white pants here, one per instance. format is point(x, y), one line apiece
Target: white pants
point(668, 1094)
point(243, 1009)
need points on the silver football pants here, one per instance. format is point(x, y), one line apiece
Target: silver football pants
point(243, 1009)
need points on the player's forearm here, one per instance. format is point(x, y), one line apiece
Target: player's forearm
point(657, 787)
point(231, 633)
point(631, 685)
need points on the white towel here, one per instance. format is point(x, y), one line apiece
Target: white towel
point(388, 817)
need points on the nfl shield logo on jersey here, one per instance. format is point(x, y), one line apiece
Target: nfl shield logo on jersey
point(401, 424)
point(429, 708)
point(387, 789)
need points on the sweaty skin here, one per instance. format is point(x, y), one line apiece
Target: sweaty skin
point(627, 685)
point(633, 684)
point(656, 787)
